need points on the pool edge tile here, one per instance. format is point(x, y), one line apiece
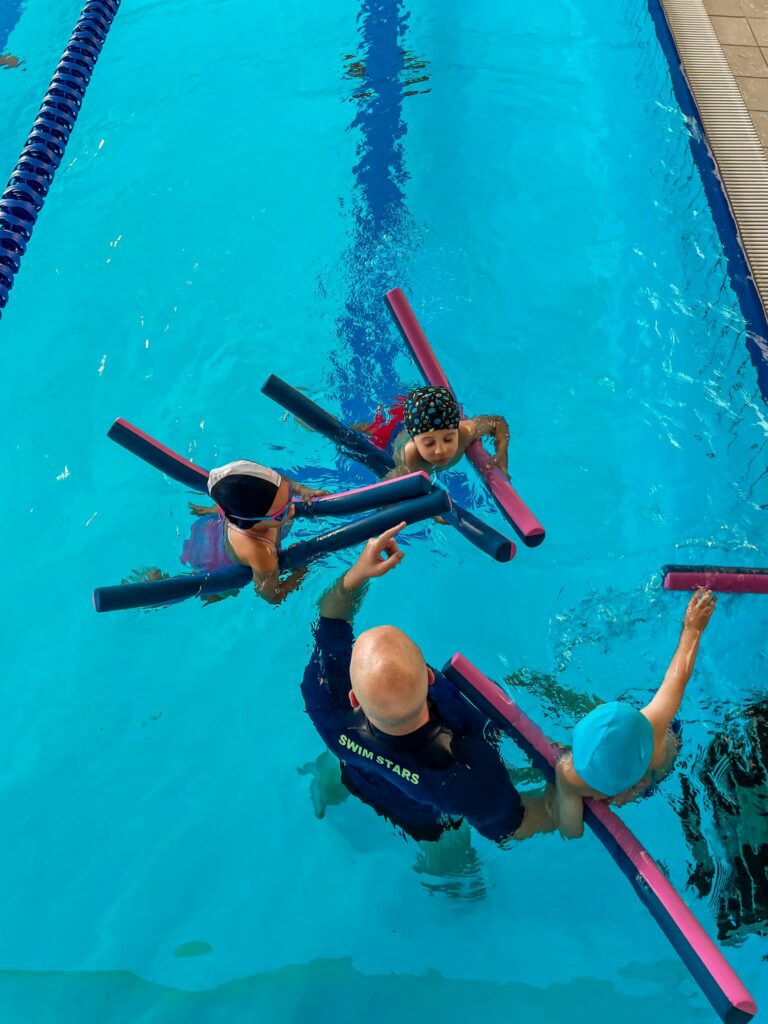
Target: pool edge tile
point(733, 140)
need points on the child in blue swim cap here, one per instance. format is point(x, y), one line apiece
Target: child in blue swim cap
point(619, 751)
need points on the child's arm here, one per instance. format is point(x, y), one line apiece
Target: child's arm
point(202, 510)
point(497, 428)
point(307, 493)
point(379, 556)
point(266, 571)
point(400, 454)
point(569, 803)
point(666, 703)
point(273, 589)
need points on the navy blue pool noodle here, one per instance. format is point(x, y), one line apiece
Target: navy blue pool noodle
point(309, 412)
point(363, 499)
point(157, 455)
point(178, 588)
point(480, 534)
point(435, 503)
point(357, 446)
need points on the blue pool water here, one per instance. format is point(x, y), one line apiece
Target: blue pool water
point(244, 183)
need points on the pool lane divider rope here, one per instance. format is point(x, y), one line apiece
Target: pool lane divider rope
point(410, 498)
point(511, 505)
point(709, 968)
point(725, 579)
point(355, 445)
point(32, 177)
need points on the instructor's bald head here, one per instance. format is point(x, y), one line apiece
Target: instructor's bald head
point(389, 680)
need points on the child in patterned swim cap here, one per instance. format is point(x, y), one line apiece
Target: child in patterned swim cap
point(435, 435)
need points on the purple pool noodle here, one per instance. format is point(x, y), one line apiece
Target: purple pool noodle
point(509, 501)
point(722, 578)
point(730, 999)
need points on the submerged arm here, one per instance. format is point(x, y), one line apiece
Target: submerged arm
point(379, 556)
point(275, 589)
point(343, 599)
point(305, 492)
point(400, 455)
point(265, 567)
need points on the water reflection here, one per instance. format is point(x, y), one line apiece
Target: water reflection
point(724, 812)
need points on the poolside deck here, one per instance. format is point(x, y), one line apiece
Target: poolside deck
point(723, 45)
point(742, 28)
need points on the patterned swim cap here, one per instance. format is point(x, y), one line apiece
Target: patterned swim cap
point(430, 409)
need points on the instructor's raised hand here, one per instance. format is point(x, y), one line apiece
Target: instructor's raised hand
point(379, 556)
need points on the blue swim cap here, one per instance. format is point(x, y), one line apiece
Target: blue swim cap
point(612, 747)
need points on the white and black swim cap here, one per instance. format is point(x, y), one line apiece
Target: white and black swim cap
point(243, 490)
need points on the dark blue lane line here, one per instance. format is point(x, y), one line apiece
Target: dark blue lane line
point(383, 230)
point(10, 12)
point(738, 269)
point(385, 235)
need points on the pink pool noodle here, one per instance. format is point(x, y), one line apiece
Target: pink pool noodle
point(730, 582)
point(508, 500)
point(717, 979)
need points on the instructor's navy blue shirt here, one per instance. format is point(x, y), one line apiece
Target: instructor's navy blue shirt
point(424, 781)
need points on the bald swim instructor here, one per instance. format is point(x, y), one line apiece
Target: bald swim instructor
point(409, 744)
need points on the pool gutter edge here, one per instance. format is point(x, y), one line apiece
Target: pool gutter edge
point(730, 156)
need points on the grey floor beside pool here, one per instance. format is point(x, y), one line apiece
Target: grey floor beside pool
point(742, 28)
point(723, 46)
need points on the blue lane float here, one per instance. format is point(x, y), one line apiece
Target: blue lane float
point(409, 499)
point(356, 446)
point(31, 179)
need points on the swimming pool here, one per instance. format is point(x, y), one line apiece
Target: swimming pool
point(242, 187)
